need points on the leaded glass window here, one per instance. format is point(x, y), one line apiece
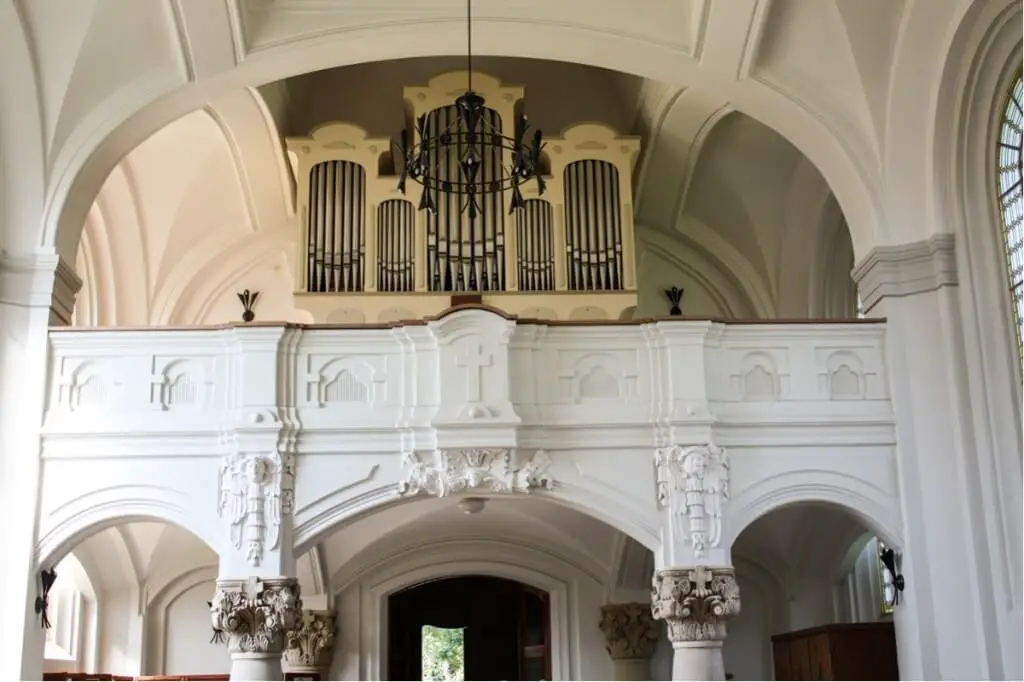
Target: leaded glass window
point(1011, 198)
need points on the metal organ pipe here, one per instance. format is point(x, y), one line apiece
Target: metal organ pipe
point(465, 254)
point(535, 256)
point(335, 227)
point(396, 224)
point(593, 226)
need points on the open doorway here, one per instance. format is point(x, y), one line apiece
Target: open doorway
point(469, 628)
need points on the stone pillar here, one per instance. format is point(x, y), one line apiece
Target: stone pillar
point(310, 647)
point(695, 603)
point(255, 616)
point(631, 635)
point(36, 290)
point(958, 467)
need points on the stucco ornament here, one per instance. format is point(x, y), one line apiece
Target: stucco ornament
point(311, 644)
point(693, 484)
point(257, 491)
point(256, 616)
point(480, 469)
point(695, 602)
point(630, 631)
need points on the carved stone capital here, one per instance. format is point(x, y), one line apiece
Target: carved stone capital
point(473, 469)
point(256, 615)
point(693, 484)
point(630, 631)
point(695, 602)
point(311, 644)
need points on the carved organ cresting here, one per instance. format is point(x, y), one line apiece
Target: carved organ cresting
point(693, 484)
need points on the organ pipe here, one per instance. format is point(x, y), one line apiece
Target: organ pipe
point(463, 253)
point(535, 258)
point(593, 226)
point(396, 245)
point(336, 227)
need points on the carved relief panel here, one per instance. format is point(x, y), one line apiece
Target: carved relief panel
point(472, 374)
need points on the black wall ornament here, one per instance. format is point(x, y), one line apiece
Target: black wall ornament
point(893, 562)
point(675, 297)
point(46, 580)
point(248, 299)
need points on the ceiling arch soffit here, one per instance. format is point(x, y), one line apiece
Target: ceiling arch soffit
point(87, 302)
point(319, 576)
point(797, 33)
point(518, 528)
point(117, 224)
point(673, 150)
point(370, 563)
point(721, 260)
point(939, 45)
point(804, 238)
point(262, 168)
point(145, 103)
point(22, 147)
point(632, 566)
point(117, 227)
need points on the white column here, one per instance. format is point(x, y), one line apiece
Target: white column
point(960, 496)
point(257, 599)
point(631, 636)
point(36, 290)
point(310, 647)
point(695, 589)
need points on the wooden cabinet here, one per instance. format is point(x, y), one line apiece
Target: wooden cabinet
point(847, 651)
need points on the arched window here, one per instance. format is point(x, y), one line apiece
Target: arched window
point(1011, 198)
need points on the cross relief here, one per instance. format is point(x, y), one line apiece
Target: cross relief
point(474, 358)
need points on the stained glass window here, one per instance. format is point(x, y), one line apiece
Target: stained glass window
point(1011, 198)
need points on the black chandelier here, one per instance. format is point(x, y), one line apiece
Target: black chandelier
point(450, 158)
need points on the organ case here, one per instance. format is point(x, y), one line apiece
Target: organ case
point(367, 254)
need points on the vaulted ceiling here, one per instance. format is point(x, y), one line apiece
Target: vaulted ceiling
point(205, 207)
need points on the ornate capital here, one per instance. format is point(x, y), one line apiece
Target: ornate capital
point(257, 491)
point(311, 645)
point(256, 615)
point(629, 630)
point(695, 602)
point(693, 483)
point(480, 469)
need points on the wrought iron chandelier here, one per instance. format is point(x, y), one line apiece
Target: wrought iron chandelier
point(453, 159)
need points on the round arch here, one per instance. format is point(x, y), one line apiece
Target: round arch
point(314, 523)
point(878, 511)
point(70, 524)
point(157, 608)
point(454, 559)
point(106, 134)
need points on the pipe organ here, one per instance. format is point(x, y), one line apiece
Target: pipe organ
point(368, 254)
